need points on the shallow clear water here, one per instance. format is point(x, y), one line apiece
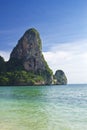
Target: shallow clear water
point(43, 108)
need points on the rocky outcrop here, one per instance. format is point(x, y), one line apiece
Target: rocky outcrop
point(60, 78)
point(27, 55)
point(29, 51)
point(27, 65)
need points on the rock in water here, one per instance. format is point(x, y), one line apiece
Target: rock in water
point(60, 78)
point(27, 55)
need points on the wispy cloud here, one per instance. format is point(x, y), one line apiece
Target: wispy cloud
point(5, 54)
point(70, 57)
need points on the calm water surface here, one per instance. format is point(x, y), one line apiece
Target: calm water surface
point(43, 108)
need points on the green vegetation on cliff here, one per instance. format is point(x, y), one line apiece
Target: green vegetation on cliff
point(20, 78)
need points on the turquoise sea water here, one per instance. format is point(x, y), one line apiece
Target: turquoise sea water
point(43, 108)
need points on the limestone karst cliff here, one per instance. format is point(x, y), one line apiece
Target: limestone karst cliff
point(27, 56)
point(29, 52)
point(26, 65)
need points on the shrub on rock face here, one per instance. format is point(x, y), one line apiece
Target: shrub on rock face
point(4, 80)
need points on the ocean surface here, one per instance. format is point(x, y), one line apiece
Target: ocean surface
point(43, 108)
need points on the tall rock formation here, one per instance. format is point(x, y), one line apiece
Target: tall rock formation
point(29, 51)
point(27, 55)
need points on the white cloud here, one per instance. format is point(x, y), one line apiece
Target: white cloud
point(70, 57)
point(5, 54)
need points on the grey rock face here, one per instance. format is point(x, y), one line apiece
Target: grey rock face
point(29, 50)
point(27, 55)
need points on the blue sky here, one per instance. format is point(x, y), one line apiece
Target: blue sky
point(62, 25)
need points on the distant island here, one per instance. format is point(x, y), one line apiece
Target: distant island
point(27, 65)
